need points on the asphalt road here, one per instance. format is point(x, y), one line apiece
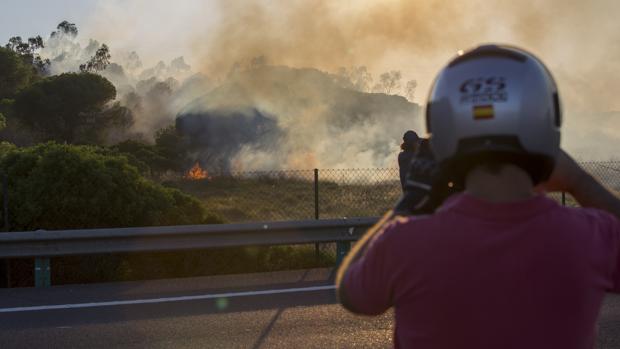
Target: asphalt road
point(276, 310)
point(236, 317)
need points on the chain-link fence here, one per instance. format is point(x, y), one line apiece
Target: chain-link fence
point(607, 172)
point(327, 193)
point(296, 195)
point(306, 194)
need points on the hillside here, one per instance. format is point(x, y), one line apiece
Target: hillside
point(297, 119)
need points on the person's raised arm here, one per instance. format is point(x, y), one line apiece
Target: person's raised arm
point(569, 177)
point(419, 198)
point(356, 253)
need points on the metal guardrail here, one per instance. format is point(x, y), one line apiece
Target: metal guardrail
point(44, 244)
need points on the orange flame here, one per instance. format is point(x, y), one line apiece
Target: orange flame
point(196, 173)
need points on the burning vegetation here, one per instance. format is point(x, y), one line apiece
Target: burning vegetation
point(197, 173)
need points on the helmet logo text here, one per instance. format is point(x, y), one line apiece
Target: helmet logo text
point(484, 90)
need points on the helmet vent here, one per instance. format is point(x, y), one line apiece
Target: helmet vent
point(488, 51)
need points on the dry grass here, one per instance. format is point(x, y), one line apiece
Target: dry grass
point(269, 199)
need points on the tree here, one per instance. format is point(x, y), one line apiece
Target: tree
point(29, 47)
point(169, 153)
point(361, 78)
point(389, 82)
point(173, 147)
point(29, 51)
point(69, 107)
point(98, 62)
point(65, 28)
point(357, 78)
point(15, 73)
point(15, 131)
point(410, 89)
point(109, 126)
point(145, 157)
point(56, 186)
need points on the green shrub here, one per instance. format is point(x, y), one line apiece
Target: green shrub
point(54, 186)
point(72, 108)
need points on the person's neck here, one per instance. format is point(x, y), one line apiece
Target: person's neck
point(510, 183)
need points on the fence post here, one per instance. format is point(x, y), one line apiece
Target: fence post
point(316, 193)
point(563, 199)
point(316, 208)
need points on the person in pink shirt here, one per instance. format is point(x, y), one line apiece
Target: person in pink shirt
point(498, 265)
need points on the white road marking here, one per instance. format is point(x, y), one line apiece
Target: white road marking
point(166, 299)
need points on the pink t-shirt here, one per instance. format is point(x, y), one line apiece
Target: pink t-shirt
point(528, 274)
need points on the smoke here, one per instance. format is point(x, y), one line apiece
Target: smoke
point(319, 122)
point(577, 39)
point(153, 94)
point(229, 41)
point(216, 136)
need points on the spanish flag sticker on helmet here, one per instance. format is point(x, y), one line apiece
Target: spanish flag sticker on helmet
point(482, 112)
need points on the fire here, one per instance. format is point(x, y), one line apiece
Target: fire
point(196, 173)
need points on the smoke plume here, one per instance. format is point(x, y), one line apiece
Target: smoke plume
point(229, 41)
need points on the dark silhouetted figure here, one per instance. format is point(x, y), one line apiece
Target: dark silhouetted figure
point(409, 147)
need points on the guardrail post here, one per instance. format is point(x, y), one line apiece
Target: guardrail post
point(5, 265)
point(316, 209)
point(5, 194)
point(563, 199)
point(342, 248)
point(42, 277)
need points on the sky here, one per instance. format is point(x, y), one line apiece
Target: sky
point(28, 18)
point(157, 29)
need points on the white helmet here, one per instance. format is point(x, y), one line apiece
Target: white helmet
point(495, 103)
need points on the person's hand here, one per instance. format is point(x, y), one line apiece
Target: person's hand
point(422, 176)
point(565, 176)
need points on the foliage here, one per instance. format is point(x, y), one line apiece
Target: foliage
point(15, 131)
point(2, 121)
point(98, 62)
point(15, 73)
point(410, 89)
point(29, 51)
point(25, 47)
point(142, 155)
point(6, 148)
point(54, 186)
point(169, 153)
point(173, 147)
point(71, 108)
point(106, 127)
point(356, 78)
point(389, 82)
point(65, 28)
